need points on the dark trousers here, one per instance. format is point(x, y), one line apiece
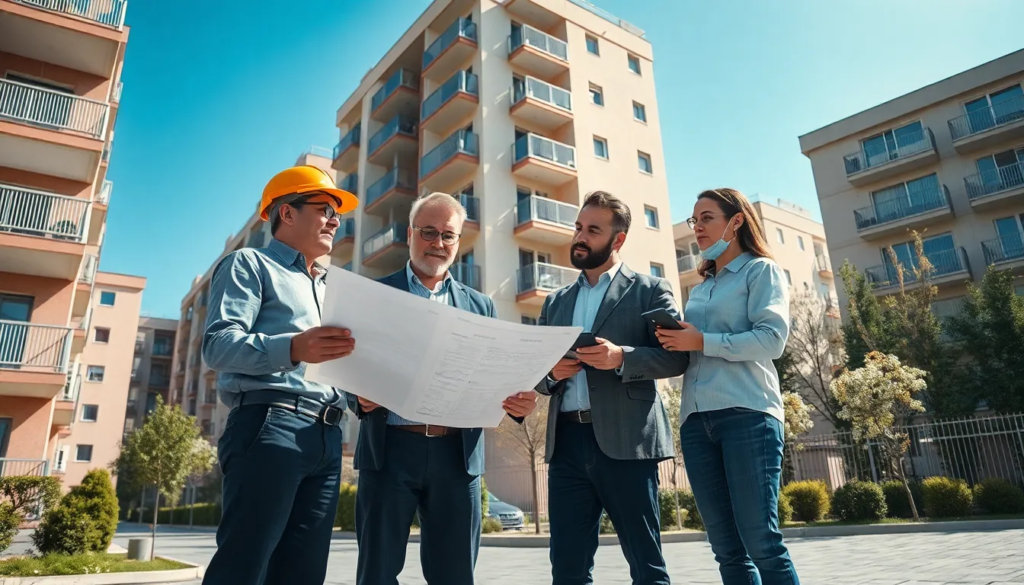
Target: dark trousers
point(583, 481)
point(281, 474)
point(734, 461)
point(427, 474)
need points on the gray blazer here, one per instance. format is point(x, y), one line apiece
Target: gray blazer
point(629, 417)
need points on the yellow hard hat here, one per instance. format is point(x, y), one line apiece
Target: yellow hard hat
point(302, 180)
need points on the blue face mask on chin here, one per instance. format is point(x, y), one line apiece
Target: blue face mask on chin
point(715, 250)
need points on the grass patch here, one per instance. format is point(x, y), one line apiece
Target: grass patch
point(84, 564)
point(902, 521)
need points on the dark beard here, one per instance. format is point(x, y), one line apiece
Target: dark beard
point(593, 259)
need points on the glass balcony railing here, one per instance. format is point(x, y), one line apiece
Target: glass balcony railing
point(995, 181)
point(400, 78)
point(350, 139)
point(543, 277)
point(944, 262)
point(1005, 248)
point(461, 142)
point(396, 178)
point(472, 205)
point(350, 183)
point(527, 35)
point(822, 262)
point(44, 215)
point(467, 274)
point(533, 145)
point(461, 82)
point(535, 208)
point(88, 274)
point(898, 209)
point(106, 12)
point(397, 125)
point(998, 114)
point(347, 229)
point(52, 109)
point(460, 29)
point(910, 144)
point(103, 196)
point(541, 91)
point(624, 25)
point(395, 233)
point(686, 263)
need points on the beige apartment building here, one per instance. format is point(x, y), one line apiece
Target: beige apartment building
point(151, 369)
point(60, 66)
point(946, 160)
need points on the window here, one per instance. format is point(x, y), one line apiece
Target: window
point(800, 242)
point(94, 373)
point(779, 236)
point(639, 112)
point(903, 200)
point(644, 161)
point(890, 145)
point(107, 298)
point(600, 148)
point(634, 64)
point(61, 462)
point(789, 278)
point(102, 335)
point(998, 172)
point(527, 320)
point(657, 270)
point(592, 46)
point(90, 412)
point(596, 94)
point(83, 453)
point(652, 217)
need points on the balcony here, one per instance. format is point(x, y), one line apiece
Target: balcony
point(450, 50)
point(400, 96)
point(346, 152)
point(10, 467)
point(541, 159)
point(467, 274)
point(998, 123)
point(996, 188)
point(451, 103)
point(394, 189)
point(949, 266)
point(1006, 251)
point(33, 359)
point(344, 238)
point(83, 290)
point(915, 151)
point(43, 234)
point(79, 330)
point(210, 398)
point(388, 247)
point(100, 204)
point(687, 266)
point(394, 143)
point(545, 221)
point(898, 216)
point(445, 168)
point(350, 183)
point(535, 281)
point(824, 266)
point(541, 104)
point(537, 52)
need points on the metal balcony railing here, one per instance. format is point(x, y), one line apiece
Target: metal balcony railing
point(347, 229)
point(998, 114)
point(397, 125)
point(944, 262)
point(544, 277)
point(461, 142)
point(686, 263)
point(533, 145)
point(396, 178)
point(822, 262)
point(531, 87)
point(995, 181)
point(460, 82)
point(467, 274)
point(535, 208)
point(460, 29)
point(89, 266)
point(400, 78)
point(900, 209)
point(32, 347)
point(909, 145)
point(350, 183)
point(527, 35)
point(395, 233)
point(472, 205)
point(35, 213)
point(1005, 248)
point(71, 388)
point(106, 12)
point(624, 25)
point(350, 139)
point(10, 467)
point(103, 196)
point(52, 109)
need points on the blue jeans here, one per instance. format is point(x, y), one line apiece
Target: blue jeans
point(281, 474)
point(733, 459)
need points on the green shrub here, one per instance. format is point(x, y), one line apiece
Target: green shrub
point(693, 520)
point(606, 524)
point(859, 501)
point(97, 497)
point(66, 529)
point(945, 497)
point(9, 521)
point(785, 510)
point(485, 506)
point(667, 508)
point(345, 517)
point(809, 498)
point(24, 492)
point(491, 524)
point(998, 496)
point(896, 501)
point(205, 514)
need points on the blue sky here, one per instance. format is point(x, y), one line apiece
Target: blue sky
point(218, 96)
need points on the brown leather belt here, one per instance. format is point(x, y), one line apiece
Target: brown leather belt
point(427, 430)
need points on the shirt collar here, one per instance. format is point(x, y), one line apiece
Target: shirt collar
point(442, 286)
point(739, 262)
point(606, 277)
point(290, 257)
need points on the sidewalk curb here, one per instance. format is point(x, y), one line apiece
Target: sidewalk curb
point(902, 528)
point(191, 573)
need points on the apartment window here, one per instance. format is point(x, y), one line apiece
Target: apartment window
point(527, 320)
point(634, 64)
point(639, 112)
point(107, 298)
point(1005, 105)
point(94, 373)
point(90, 412)
point(644, 161)
point(789, 278)
point(657, 270)
point(600, 148)
point(596, 94)
point(592, 46)
point(102, 335)
point(83, 453)
point(800, 242)
point(780, 236)
point(940, 251)
point(890, 145)
point(999, 171)
point(652, 217)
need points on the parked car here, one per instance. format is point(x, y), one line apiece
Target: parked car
point(511, 517)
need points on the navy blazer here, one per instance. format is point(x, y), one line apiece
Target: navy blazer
point(373, 425)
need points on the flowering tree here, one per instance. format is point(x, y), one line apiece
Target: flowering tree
point(815, 352)
point(798, 416)
point(876, 399)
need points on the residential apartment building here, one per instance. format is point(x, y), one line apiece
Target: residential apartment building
point(946, 160)
point(151, 369)
point(60, 67)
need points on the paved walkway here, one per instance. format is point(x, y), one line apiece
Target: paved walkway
point(964, 558)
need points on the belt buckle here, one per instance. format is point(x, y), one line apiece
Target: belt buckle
point(579, 416)
point(331, 420)
point(428, 432)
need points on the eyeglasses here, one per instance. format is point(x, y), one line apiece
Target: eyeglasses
point(430, 234)
point(704, 219)
point(328, 211)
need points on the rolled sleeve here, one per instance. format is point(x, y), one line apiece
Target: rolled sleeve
point(768, 311)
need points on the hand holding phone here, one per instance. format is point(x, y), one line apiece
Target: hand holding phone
point(661, 318)
point(585, 339)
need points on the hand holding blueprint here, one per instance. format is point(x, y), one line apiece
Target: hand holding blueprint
point(428, 362)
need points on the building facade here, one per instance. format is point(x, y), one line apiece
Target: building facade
point(946, 160)
point(151, 369)
point(60, 66)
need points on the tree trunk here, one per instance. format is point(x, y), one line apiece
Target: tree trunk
point(536, 496)
point(156, 510)
point(675, 491)
point(192, 506)
point(906, 487)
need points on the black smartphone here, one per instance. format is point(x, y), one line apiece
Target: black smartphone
point(585, 339)
point(661, 318)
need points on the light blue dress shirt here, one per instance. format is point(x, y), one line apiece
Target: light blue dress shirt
point(576, 395)
point(260, 298)
point(744, 316)
point(440, 294)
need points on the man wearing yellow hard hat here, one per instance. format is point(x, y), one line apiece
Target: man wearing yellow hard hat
point(280, 452)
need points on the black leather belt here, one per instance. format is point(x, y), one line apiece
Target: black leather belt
point(576, 416)
point(323, 413)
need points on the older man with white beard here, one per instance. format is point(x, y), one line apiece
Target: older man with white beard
point(405, 466)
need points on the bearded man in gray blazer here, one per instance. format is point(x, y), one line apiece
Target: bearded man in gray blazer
point(607, 426)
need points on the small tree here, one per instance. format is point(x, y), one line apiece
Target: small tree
point(877, 399)
point(97, 497)
point(164, 453)
point(797, 415)
point(814, 354)
point(673, 398)
point(528, 439)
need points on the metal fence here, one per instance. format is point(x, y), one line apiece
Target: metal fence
point(52, 109)
point(45, 215)
point(33, 347)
